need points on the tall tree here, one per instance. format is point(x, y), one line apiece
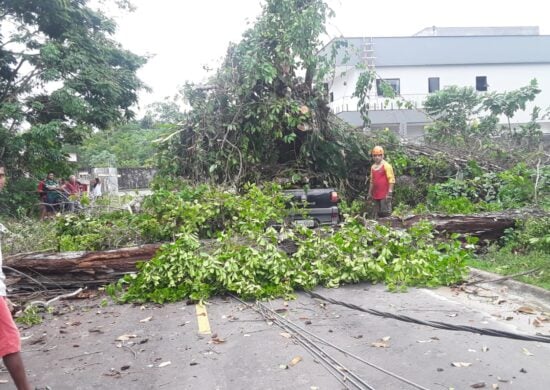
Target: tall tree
point(162, 113)
point(61, 75)
point(261, 105)
point(127, 146)
point(463, 116)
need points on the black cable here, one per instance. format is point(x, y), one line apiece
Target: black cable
point(26, 276)
point(436, 324)
point(299, 330)
point(334, 367)
point(315, 349)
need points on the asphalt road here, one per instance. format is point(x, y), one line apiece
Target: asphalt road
point(160, 346)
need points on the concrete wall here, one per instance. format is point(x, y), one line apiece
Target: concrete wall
point(135, 178)
point(114, 180)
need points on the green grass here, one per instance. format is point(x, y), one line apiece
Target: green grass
point(507, 263)
point(28, 235)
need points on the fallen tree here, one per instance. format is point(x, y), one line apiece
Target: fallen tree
point(70, 269)
point(94, 268)
point(487, 226)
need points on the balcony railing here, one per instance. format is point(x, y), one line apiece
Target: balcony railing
point(349, 103)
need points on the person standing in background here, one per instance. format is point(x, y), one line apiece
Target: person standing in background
point(96, 189)
point(382, 180)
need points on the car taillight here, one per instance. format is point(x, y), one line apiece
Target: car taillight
point(334, 216)
point(334, 197)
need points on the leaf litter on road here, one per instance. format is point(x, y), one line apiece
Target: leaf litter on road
point(126, 337)
point(537, 322)
point(461, 364)
point(295, 360)
point(216, 340)
point(382, 343)
point(430, 340)
point(526, 310)
point(478, 385)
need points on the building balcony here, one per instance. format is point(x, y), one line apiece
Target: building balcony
point(380, 103)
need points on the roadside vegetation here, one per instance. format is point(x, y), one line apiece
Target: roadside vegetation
point(127, 146)
point(525, 249)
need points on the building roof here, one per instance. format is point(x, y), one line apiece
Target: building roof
point(443, 50)
point(468, 31)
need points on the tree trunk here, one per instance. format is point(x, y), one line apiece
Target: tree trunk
point(485, 226)
point(69, 269)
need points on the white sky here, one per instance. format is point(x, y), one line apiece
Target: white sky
point(184, 35)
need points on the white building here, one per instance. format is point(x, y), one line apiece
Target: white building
point(486, 58)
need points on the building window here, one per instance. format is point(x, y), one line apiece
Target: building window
point(331, 97)
point(481, 83)
point(433, 84)
point(382, 83)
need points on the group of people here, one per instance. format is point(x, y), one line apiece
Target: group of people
point(63, 195)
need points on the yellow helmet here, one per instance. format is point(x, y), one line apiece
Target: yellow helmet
point(377, 150)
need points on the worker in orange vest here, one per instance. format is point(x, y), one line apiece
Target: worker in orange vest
point(382, 180)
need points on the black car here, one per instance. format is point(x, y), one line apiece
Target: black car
point(313, 207)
